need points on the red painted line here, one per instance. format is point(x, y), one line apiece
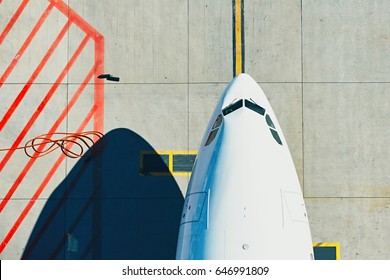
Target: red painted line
point(34, 75)
point(55, 126)
point(77, 19)
point(99, 84)
point(40, 189)
point(97, 111)
point(40, 108)
point(64, 113)
point(13, 20)
point(26, 43)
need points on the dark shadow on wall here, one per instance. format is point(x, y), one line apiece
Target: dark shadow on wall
point(107, 210)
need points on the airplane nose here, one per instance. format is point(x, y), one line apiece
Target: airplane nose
point(243, 86)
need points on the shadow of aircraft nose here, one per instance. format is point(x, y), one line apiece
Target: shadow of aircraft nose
point(105, 209)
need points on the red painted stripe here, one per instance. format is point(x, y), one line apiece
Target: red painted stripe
point(73, 16)
point(64, 113)
point(41, 107)
point(55, 126)
point(25, 44)
point(38, 192)
point(99, 84)
point(34, 75)
point(99, 91)
point(73, 100)
point(13, 20)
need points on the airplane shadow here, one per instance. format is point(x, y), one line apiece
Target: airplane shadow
point(104, 209)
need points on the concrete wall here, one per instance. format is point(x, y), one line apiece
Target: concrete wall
point(322, 64)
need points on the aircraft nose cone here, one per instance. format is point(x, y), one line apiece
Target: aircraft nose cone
point(243, 86)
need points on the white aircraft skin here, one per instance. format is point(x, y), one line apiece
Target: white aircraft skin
point(244, 200)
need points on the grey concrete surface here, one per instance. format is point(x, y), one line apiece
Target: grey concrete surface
point(273, 40)
point(158, 112)
point(361, 225)
point(345, 41)
point(210, 41)
point(346, 155)
point(147, 40)
point(323, 65)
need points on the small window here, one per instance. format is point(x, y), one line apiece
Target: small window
point(269, 121)
point(217, 122)
point(211, 136)
point(254, 107)
point(231, 108)
point(276, 136)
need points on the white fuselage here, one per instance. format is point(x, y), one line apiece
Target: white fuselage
point(244, 200)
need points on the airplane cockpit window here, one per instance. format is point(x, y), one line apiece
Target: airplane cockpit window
point(211, 137)
point(254, 107)
point(276, 136)
point(250, 104)
point(214, 131)
point(258, 109)
point(269, 121)
point(217, 122)
point(232, 107)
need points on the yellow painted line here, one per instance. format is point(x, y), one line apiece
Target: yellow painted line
point(170, 162)
point(175, 152)
point(238, 36)
point(177, 174)
point(331, 244)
